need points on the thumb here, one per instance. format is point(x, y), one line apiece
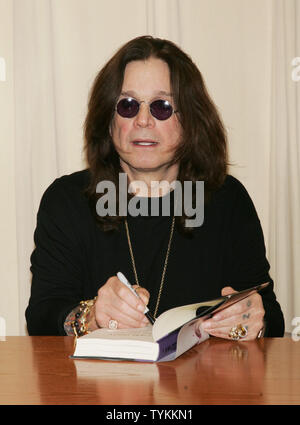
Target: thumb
point(227, 290)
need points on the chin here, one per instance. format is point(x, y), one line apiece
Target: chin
point(148, 167)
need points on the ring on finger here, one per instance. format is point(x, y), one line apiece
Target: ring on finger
point(238, 332)
point(113, 324)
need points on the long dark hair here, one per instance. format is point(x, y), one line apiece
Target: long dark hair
point(202, 155)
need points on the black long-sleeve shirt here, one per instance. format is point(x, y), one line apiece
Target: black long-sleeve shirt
point(73, 257)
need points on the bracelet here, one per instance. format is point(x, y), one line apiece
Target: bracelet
point(79, 324)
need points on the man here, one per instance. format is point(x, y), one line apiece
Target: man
point(150, 117)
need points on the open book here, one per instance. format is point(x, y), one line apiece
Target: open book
point(174, 332)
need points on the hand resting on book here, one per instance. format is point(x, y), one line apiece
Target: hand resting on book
point(248, 312)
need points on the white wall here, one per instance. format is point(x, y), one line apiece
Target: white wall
point(9, 295)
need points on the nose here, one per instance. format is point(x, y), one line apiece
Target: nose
point(144, 117)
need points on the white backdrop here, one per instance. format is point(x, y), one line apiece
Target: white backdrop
point(53, 49)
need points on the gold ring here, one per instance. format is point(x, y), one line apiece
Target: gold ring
point(238, 332)
point(113, 324)
point(233, 334)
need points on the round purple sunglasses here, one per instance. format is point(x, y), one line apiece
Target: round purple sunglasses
point(160, 109)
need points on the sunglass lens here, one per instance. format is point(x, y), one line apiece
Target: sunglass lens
point(127, 108)
point(161, 109)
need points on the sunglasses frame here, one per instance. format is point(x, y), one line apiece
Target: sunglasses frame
point(147, 103)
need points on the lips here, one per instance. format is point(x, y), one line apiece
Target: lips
point(144, 143)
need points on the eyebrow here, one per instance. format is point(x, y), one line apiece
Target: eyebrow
point(134, 94)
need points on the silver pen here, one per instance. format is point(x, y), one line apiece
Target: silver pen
point(123, 279)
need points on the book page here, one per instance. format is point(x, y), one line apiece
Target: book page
point(118, 344)
point(136, 334)
point(175, 317)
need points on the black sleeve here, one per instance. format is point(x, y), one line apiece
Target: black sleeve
point(56, 264)
point(247, 264)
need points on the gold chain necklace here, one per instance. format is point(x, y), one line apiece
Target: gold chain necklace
point(165, 265)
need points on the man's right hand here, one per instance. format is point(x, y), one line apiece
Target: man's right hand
point(116, 302)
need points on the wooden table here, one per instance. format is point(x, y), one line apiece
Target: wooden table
point(38, 370)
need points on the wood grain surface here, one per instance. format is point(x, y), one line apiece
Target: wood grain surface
point(38, 370)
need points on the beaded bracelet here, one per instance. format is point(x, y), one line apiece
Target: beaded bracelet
point(79, 324)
